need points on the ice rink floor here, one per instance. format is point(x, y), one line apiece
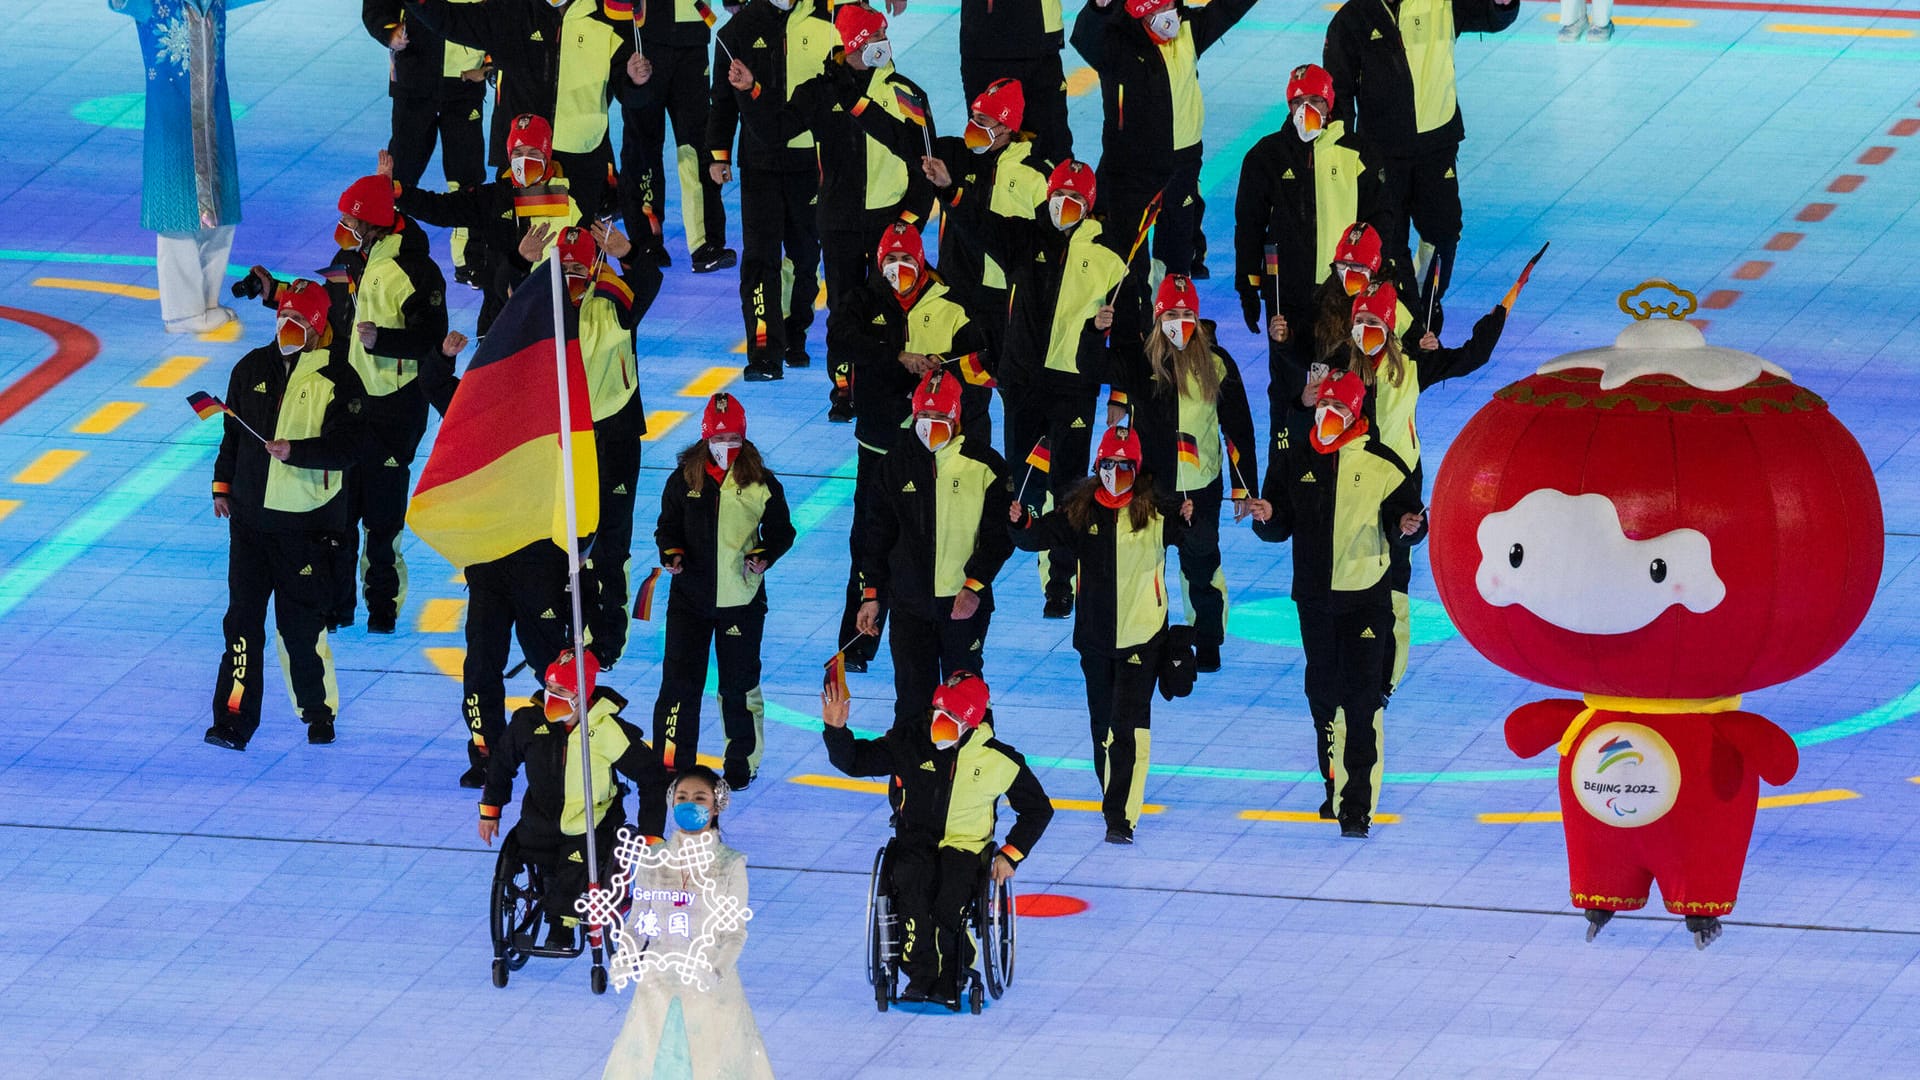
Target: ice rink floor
point(170, 909)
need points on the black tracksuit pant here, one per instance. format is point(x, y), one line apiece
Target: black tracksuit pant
point(846, 257)
point(1346, 655)
point(603, 579)
point(1120, 707)
point(1287, 362)
point(734, 634)
point(1199, 547)
point(1043, 81)
point(1067, 420)
point(587, 178)
point(292, 570)
point(378, 489)
point(523, 595)
point(677, 91)
point(1423, 193)
point(925, 651)
point(539, 842)
point(1124, 192)
point(777, 221)
point(451, 119)
point(932, 888)
point(866, 488)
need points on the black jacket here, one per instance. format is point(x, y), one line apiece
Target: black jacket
point(899, 540)
point(825, 105)
point(689, 526)
point(1368, 62)
point(934, 803)
point(1276, 204)
point(1011, 29)
point(1309, 490)
point(1135, 93)
point(962, 258)
point(1156, 415)
point(486, 210)
point(532, 741)
point(756, 36)
point(425, 312)
point(1099, 609)
point(419, 70)
point(254, 393)
point(870, 328)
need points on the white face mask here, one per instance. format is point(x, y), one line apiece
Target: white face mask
point(877, 54)
point(1064, 216)
point(933, 433)
point(788, 6)
point(1370, 338)
point(979, 138)
point(1178, 330)
point(723, 452)
point(290, 336)
point(1164, 25)
point(527, 169)
point(1116, 480)
point(1307, 122)
point(901, 275)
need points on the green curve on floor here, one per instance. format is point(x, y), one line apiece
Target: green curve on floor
point(124, 112)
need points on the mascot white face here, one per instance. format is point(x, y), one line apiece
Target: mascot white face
point(1566, 559)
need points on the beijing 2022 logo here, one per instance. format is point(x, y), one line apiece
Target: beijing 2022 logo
point(1625, 775)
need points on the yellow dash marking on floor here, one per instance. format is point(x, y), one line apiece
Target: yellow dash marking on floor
point(741, 348)
point(1826, 31)
point(514, 703)
point(1530, 817)
point(1807, 798)
point(710, 382)
point(225, 334)
point(447, 660)
point(661, 421)
point(1080, 80)
point(8, 506)
point(441, 616)
point(708, 760)
point(1092, 806)
point(841, 783)
point(459, 577)
point(107, 417)
point(171, 372)
point(1303, 817)
point(111, 288)
point(1636, 20)
point(47, 468)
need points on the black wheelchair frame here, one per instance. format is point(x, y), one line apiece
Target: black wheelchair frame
point(517, 916)
point(990, 919)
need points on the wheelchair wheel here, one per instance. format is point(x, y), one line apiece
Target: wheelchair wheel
point(873, 908)
point(515, 909)
point(500, 973)
point(993, 928)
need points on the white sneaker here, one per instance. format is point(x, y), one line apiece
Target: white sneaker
point(211, 319)
point(1571, 31)
point(1602, 32)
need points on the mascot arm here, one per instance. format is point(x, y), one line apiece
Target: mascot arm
point(1762, 743)
point(1539, 724)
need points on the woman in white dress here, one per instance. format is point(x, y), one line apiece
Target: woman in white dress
point(676, 1030)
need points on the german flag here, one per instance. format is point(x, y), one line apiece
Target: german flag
point(643, 603)
point(1273, 262)
point(492, 484)
point(1147, 218)
point(973, 371)
point(1514, 293)
point(705, 11)
point(540, 201)
point(1240, 490)
point(834, 682)
point(205, 405)
point(618, 10)
point(1042, 456)
point(1187, 449)
point(913, 107)
point(609, 285)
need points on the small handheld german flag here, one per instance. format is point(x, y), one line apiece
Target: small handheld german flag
point(643, 603)
point(618, 10)
point(705, 12)
point(973, 371)
point(1514, 293)
point(913, 107)
point(205, 405)
point(834, 682)
point(1042, 456)
point(1040, 460)
point(1240, 490)
point(1187, 449)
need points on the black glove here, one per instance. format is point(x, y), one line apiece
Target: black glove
point(1250, 307)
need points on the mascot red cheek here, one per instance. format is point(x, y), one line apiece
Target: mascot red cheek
point(1659, 526)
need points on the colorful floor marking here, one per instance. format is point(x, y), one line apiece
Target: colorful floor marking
point(74, 347)
point(442, 616)
point(49, 466)
point(1307, 817)
point(1042, 905)
point(1839, 31)
point(103, 420)
point(1081, 80)
point(879, 787)
point(661, 421)
point(8, 506)
point(1767, 802)
point(171, 372)
point(708, 383)
point(109, 288)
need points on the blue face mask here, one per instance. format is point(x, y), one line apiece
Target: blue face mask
point(691, 816)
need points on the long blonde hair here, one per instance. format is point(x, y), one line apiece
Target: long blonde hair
point(1365, 366)
point(1189, 370)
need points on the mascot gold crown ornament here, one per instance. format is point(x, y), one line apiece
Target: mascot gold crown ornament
point(1659, 526)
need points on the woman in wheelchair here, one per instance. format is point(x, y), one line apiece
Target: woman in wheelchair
point(551, 833)
point(948, 776)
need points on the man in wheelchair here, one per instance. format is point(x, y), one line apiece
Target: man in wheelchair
point(948, 776)
point(544, 736)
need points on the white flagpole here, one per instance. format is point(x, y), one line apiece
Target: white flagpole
point(573, 565)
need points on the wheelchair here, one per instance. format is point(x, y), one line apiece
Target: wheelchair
point(989, 921)
point(518, 918)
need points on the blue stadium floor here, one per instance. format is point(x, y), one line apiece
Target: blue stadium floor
point(175, 910)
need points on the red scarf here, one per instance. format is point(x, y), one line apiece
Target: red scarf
point(1112, 502)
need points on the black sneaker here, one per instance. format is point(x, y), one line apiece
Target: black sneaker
point(559, 936)
point(713, 257)
point(1206, 657)
point(918, 988)
point(1354, 828)
point(320, 731)
point(840, 412)
point(469, 276)
point(856, 665)
point(474, 777)
point(798, 358)
point(757, 371)
point(1058, 607)
point(661, 257)
point(225, 737)
point(1326, 810)
point(1120, 834)
point(381, 622)
point(1199, 272)
point(737, 776)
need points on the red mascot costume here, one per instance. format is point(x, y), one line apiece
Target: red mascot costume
point(1659, 526)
